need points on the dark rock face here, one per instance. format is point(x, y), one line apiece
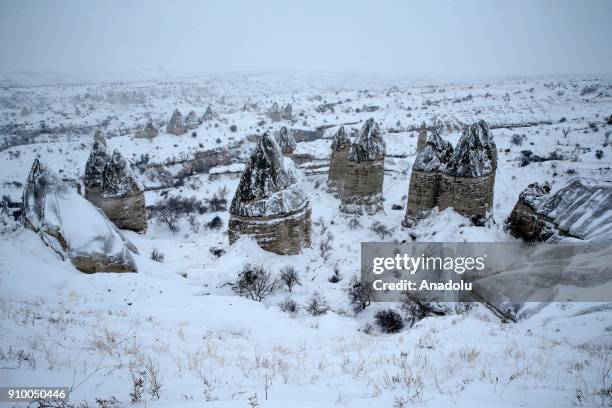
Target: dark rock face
point(149, 132)
point(191, 121)
point(286, 141)
point(581, 209)
point(365, 173)
point(610, 119)
point(277, 114)
point(269, 203)
point(176, 124)
point(423, 191)
point(338, 163)
point(111, 186)
point(72, 227)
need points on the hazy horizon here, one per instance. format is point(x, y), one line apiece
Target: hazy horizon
point(131, 39)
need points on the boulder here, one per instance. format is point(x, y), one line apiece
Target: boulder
point(269, 204)
point(111, 186)
point(176, 124)
point(581, 209)
point(285, 140)
point(72, 227)
point(338, 163)
point(362, 190)
point(149, 132)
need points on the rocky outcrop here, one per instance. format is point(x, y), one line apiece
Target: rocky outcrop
point(285, 140)
point(176, 124)
point(362, 189)
point(269, 204)
point(72, 227)
point(209, 114)
point(191, 121)
point(467, 180)
point(111, 186)
point(149, 132)
point(581, 209)
point(422, 137)
point(423, 190)
point(338, 163)
point(287, 113)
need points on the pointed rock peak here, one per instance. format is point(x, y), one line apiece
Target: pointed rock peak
point(274, 107)
point(423, 126)
point(99, 141)
point(285, 139)
point(209, 110)
point(470, 158)
point(483, 132)
point(176, 117)
point(341, 139)
point(268, 152)
point(288, 108)
point(150, 125)
point(369, 145)
point(435, 154)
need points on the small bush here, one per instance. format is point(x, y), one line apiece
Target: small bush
point(397, 207)
point(360, 294)
point(416, 310)
point(517, 139)
point(354, 223)
point(218, 252)
point(156, 255)
point(380, 229)
point(389, 321)
point(599, 154)
point(233, 128)
point(288, 306)
point(317, 305)
point(325, 246)
point(289, 277)
point(215, 224)
point(255, 283)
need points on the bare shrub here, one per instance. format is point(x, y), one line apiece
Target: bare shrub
point(325, 246)
point(255, 283)
point(335, 277)
point(317, 305)
point(360, 294)
point(288, 306)
point(380, 229)
point(153, 377)
point(157, 255)
point(416, 310)
point(215, 224)
point(354, 223)
point(289, 277)
point(389, 320)
point(218, 202)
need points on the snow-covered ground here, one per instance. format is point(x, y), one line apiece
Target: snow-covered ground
point(179, 321)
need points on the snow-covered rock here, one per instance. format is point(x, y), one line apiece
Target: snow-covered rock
point(149, 132)
point(286, 141)
point(269, 203)
point(72, 227)
point(370, 145)
point(111, 186)
point(191, 121)
point(434, 155)
point(581, 209)
point(176, 124)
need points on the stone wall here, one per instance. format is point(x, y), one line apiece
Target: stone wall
point(284, 235)
point(469, 196)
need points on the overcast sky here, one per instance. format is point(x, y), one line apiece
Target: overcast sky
point(476, 37)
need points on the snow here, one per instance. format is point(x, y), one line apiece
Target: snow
point(217, 349)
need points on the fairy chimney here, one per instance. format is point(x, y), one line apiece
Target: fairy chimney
point(285, 140)
point(269, 204)
point(338, 163)
point(362, 190)
point(422, 137)
point(176, 125)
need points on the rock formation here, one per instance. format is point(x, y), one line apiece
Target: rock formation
point(287, 113)
point(338, 163)
point(191, 121)
point(425, 177)
point(269, 204)
point(285, 140)
point(581, 209)
point(209, 114)
point(111, 186)
point(176, 125)
point(149, 132)
point(72, 227)
point(422, 137)
point(462, 179)
point(363, 183)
